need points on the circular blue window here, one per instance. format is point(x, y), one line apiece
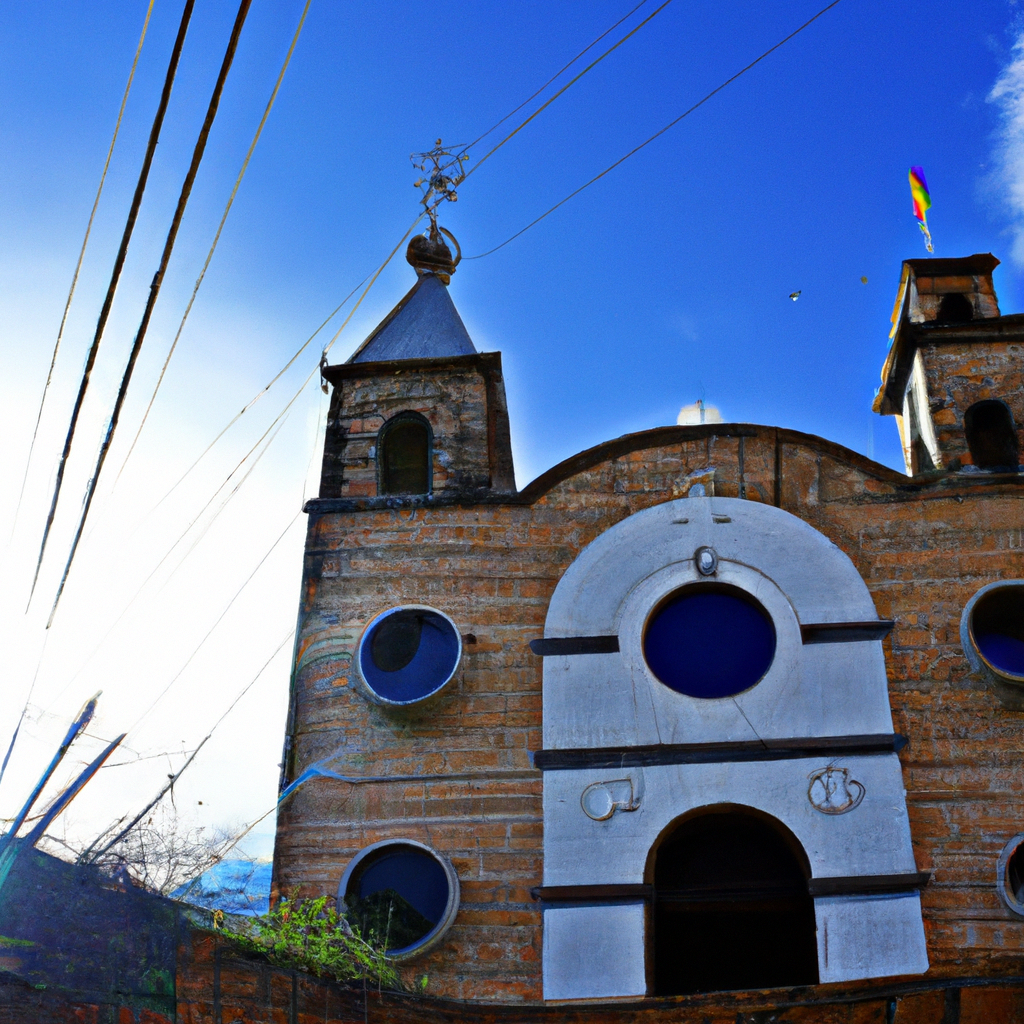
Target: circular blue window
point(710, 640)
point(408, 654)
point(997, 629)
point(400, 895)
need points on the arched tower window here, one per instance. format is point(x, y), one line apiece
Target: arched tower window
point(732, 909)
point(955, 308)
point(404, 455)
point(992, 435)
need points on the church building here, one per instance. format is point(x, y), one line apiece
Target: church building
point(704, 708)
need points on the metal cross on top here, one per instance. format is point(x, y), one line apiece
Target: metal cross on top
point(442, 173)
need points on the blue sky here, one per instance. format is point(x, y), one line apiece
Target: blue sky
point(665, 282)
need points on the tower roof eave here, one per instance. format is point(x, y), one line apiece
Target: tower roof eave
point(424, 324)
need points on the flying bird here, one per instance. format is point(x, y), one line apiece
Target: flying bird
point(795, 295)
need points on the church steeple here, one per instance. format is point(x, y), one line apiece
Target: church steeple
point(417, 415)
point(425, 324)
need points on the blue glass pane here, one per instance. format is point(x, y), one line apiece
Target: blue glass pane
point(1005, 653)
point(711, 641)
point(409, 654)
point(398, 898)
point(416, 876)
point(997, 625)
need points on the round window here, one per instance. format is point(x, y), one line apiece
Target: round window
point(1010, 874)
point(996, 624)
point(709, 640)
point(409, 653)
point(401, 895)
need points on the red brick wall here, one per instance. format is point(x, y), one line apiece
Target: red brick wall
point(922, 547)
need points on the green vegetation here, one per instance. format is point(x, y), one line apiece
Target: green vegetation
point(388, 920)
point(311, 936)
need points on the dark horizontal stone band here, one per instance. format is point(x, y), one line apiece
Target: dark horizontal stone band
point(811, 633)
point(842, 885)
point(868, 885)
point(575, 645)
point(845, 632)
point(717, 753)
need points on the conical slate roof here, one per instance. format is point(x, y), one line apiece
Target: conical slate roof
point(425, 324)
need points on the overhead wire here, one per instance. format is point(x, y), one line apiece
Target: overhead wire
point(395, 250)
point(154, 291)
point(93, 856)
point(122, 252)
point(173, 547)
point(557, 74)
point(188, 661)
point(377, 273)
point(660, 132)
point(78, 265)
point(216, 237)
point(302, 387)
point(568, 85)
point(280, 373)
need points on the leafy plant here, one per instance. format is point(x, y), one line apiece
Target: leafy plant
point(312, 936)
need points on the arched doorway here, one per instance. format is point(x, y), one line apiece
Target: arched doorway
point(731, 906)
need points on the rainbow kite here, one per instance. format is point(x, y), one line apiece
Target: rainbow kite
point(922, 201)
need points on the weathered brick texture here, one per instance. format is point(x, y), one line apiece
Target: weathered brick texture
point(924, 546)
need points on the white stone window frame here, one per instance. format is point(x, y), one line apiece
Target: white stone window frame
point(1002, 879)
point(366, 687)
point(612, 700)
point(433, 937)
point(978, 662)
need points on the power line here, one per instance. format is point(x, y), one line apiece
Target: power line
point(122, 252)
point(220, 228)
point(171, 549)
point(305, 344)
point(568, 85)
point(89, 856)
point(78, 265)
point(302, 387)
point(661, 132)
point(188, 661)
point(280, 373)
point(154, 291)
point(557, 74)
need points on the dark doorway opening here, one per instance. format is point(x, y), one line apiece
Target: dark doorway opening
point(731, 907)
point(955, 308)
point(992, 435)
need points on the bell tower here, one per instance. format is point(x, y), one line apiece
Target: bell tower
point(954, 376)
point(417, 414)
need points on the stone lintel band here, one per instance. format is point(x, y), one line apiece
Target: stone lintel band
point(717, 753)
point(841, 885)
point(811, 633)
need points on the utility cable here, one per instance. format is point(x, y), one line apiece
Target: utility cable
point(557, 74)
point(154, 292)
point(280, 373)
point(122, 252)
point(659, 133)
point(216, 237)
point(302, 387)
point(305, 344)
point(188, 661)
point(88, 856)
point(78, 265)
point(24, 709)
point(171, 550)
point(568, 85)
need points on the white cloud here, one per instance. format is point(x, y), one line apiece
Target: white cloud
point(1008, 175)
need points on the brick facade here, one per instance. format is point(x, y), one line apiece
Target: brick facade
point(923, 546)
